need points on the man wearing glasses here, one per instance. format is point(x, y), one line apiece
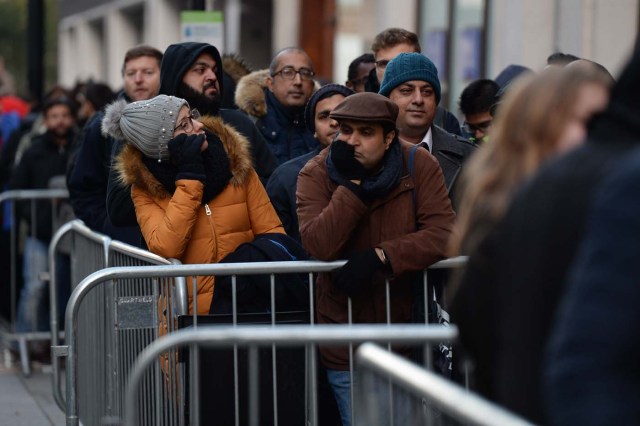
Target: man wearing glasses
point(275, 100)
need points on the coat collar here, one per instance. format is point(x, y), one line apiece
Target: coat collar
point(447, 143)
point(132, 171)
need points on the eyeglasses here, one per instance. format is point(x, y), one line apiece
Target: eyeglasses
point(186, 125)
point(289, 73)
point(382, 63)
point(472, 128)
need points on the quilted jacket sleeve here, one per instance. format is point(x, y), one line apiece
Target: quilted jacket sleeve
point(167, 231)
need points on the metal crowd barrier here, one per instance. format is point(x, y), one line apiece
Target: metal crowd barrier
point(291, 335)
point(162, 403)
point(116, 322)
point(393, 391)
point(13, 196)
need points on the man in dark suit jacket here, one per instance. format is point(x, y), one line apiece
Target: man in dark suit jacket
point(411, 82)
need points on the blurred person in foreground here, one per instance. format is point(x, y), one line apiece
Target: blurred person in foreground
point(521, 225)
point(195, 192)
point(592, 374)
point(348, 200)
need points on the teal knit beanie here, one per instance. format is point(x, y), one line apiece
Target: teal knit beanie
point(407, 67)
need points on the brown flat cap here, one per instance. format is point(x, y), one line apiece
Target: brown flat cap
point(366, 106)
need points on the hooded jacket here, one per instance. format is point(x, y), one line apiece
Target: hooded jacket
point(176, 61)
point(181, 226)
point(283, 128)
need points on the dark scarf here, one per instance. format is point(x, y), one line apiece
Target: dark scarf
point(197, 100)
point(381, 183)
point(216, 166)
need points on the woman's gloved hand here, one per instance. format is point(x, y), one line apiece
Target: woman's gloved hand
point(184, 150)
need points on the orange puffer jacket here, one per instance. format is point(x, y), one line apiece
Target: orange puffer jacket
point(181, 227)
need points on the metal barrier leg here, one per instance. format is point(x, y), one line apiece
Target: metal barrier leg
point(24, 356)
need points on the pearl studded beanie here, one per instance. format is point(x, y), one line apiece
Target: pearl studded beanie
point(147, 125)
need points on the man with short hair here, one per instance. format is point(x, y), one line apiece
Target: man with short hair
point(275, 100)
point(44, 159)
point(475, 103)
point(89, 176)
point(193, 71)
point(411, 82)
point(349, 198)
point(282, 184)
point(358, 72)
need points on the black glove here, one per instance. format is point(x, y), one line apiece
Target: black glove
point(343, 157)
point(184, 150)
point(357, 273)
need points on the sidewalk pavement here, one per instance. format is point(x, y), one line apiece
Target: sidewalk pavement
point(27, 401)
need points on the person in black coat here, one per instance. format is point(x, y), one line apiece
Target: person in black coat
point(193, 71)
point(89, 172)
point(510, 291)
point(592, 369)
point(283, 183)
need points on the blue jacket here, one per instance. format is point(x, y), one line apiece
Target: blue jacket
point(285, 131)
point(281, 189)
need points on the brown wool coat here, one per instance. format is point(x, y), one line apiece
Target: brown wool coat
point(334, 223)
point(179, 227)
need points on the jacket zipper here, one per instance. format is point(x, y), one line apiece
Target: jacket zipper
point(207, 210)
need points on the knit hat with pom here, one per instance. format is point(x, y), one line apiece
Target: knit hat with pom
point(147, 125)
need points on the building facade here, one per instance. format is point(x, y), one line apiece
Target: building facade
point(467, 39)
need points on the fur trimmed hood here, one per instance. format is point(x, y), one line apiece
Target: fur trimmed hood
point(235, 66)
point(250, 93)
point(132, 170)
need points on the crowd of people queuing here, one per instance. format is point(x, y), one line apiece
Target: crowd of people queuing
point(198, 154)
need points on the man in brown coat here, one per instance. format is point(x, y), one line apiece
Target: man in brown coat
point(358, 201)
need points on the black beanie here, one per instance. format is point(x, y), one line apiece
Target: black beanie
point(320, 94)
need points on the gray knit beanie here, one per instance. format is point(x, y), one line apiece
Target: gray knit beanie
point(147, 125)
point(407, 67)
